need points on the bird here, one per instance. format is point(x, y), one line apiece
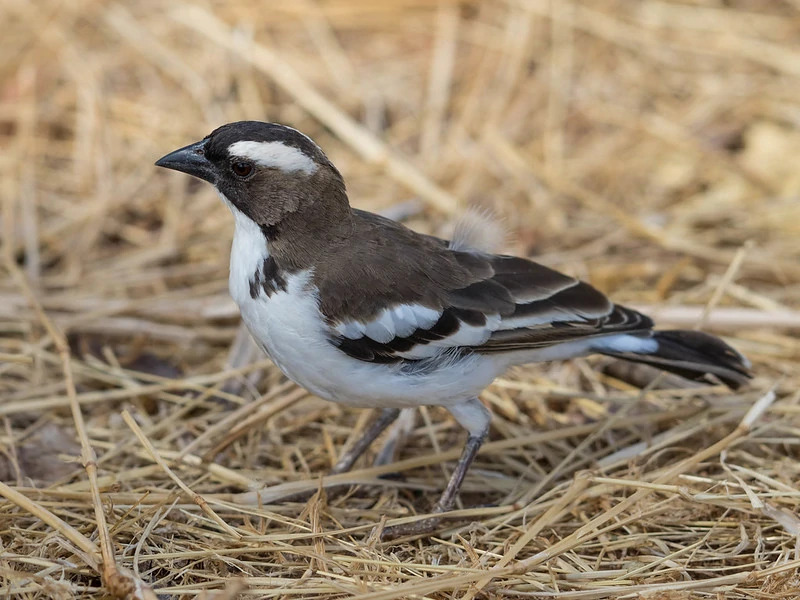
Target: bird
point(361, 310)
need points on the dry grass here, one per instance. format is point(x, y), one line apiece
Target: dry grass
point(650, 147)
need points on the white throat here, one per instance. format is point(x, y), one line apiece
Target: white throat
point(248, 253)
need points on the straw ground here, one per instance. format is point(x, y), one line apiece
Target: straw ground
point(650, 147)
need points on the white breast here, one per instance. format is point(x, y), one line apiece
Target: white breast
point(291, 329)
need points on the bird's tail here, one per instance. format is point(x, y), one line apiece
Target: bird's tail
point(694, 355)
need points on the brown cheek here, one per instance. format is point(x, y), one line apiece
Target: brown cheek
point(276, 197)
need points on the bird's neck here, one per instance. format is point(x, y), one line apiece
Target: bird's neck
point(301, 237)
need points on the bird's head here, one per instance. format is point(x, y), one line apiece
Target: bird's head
point(265, 170)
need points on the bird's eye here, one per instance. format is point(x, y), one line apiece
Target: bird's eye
point(241, 168)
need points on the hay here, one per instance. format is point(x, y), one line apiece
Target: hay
point(649, 147)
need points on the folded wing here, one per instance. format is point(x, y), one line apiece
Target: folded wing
point(508, 304)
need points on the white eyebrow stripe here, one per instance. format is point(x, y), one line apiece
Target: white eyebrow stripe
point(275, 155)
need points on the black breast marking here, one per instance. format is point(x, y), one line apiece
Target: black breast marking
point(269, 278)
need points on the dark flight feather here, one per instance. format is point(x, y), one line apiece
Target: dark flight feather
point(535, 306)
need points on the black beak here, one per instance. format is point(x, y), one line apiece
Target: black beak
point(190, 159)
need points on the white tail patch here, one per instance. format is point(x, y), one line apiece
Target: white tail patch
point(625, 343)
point(477, 230)
point(274, 155)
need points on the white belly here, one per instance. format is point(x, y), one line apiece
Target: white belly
point(290, 328)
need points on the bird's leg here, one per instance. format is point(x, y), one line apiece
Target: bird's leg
point(448, 497)
point(387, 416)
point(475, 418)
point(396, 437)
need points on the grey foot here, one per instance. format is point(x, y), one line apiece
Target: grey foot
point(348, 459)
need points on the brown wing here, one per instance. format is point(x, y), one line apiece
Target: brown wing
point(421, 299)
point(550, 308)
